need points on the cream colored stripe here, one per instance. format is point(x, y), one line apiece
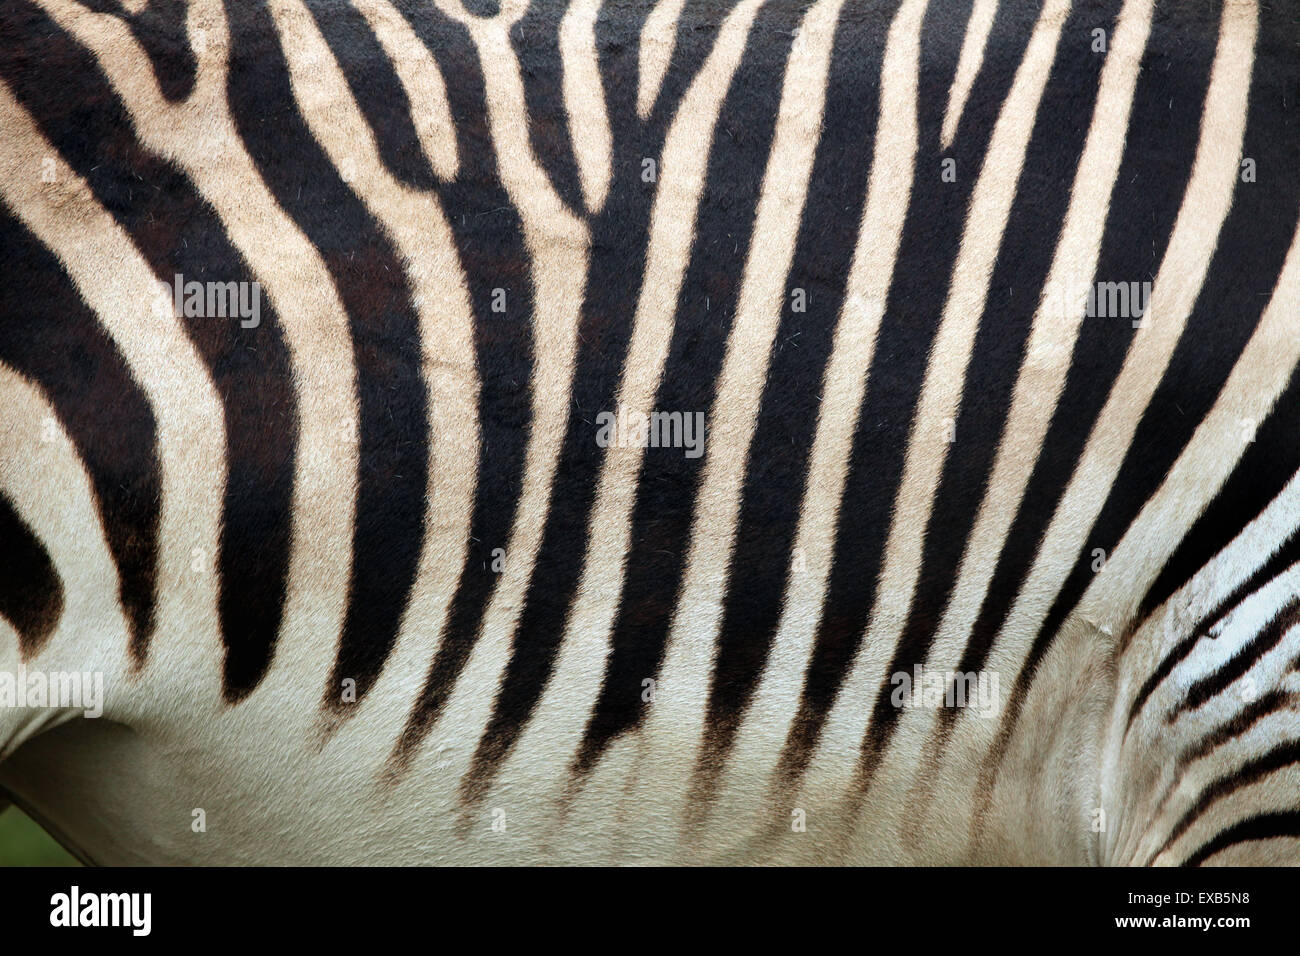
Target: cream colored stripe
point(767, 724)
point(420, 77)
point(941, 393)
point(572, 694)
point(200, 137)
point(968, 65)
point(42, 475)
point(558, 247)
point(47, 484)
point(118, 285)
point(1056, 325)
point(416, 222)
point(584, 100)
point(675, 725)
point(1113, 595)
point(658, 40)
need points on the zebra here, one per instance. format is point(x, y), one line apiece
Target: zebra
point(457, 431)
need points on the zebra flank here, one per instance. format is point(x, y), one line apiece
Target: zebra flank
point(649, 431)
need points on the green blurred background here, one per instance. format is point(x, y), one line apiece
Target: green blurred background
point(23, 843)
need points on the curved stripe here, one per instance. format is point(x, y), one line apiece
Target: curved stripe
point(45, 486)
point(419, 229)
point(31, 593)
point(115, 282)
point(294, 277)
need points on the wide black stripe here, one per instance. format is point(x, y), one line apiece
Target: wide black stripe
point(49, 335)
point(1152, 178)
point(31, 592)
point(175, 230)
point(1264, 826)
point(489, 240)
point(369, 276)
point(928, 248)
point(1243, 271)
point(776, 470)
point(1222, 677)
point(1023, 264)
point(1274, 759)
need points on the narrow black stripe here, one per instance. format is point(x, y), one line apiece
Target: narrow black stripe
point(31, 593)
point(1277, 758)
point(1184, 647)
point(489, 239)
point(1261, 474)
point(173, 227)
point(369, 276)
point(928, 249)
point(1157, 677)
point(1265, 826)
point(775, 479)
point(1223, 676)
point(1244, 720)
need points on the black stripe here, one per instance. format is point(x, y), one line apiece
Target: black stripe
point(1243, 721)
point(1261, 474)
point(928, 248)
point(614, 283)
point(378, 92)
point(172, 226)
point(620, 235)
point(489, 239)
point(1264, 826)
point(1210, 622)
point(1277, 758)
point(1153, 176)
point(31, 593)
point(1157, 677)
point(50, 336)
point(1223, 676)
point(369, 275)
point(775, 478)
